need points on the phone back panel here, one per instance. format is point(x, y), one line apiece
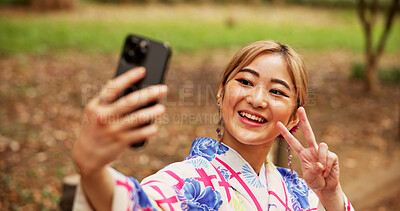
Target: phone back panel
point(152, 55)
point(155, 60)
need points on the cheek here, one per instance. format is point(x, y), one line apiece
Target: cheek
point(281, 109)
point(233, 95)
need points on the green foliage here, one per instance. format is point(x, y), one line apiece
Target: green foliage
point(185, 31)
point(178, 1)
point(389, 75)
point(339, 3)
point(42, 35)
point(357, 71)
point(10, 2)
point(336, 3)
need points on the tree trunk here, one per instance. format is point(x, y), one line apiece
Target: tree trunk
point(371, 81)
point(367, 14)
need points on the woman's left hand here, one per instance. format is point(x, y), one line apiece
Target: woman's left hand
point(320, 166)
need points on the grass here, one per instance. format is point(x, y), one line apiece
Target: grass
point(386, 75)
point(186, 28)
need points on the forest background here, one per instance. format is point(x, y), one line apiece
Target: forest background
point(56, 54)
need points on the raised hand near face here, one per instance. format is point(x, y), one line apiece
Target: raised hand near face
point(110, 126)
point(320, 166)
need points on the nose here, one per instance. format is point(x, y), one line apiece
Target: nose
point(258, 97)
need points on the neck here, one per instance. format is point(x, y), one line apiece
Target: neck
point(254, 154)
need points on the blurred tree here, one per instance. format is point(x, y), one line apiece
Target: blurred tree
point(13, 2)
point(367, 11)
point(43, 5)
point(278, 2)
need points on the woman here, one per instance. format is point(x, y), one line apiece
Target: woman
point(260, 97)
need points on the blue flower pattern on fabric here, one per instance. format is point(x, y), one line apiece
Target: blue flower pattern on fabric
point(198, 163)
point(207, 200)
point(225, 172)
point(297, 188)
point(181, 198)
point(250, 176)
point(144, 201)
point(207, 148)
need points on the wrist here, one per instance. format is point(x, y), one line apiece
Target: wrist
point(330, 192)
point(84, 163)
point(332, 199)
point(93, 175)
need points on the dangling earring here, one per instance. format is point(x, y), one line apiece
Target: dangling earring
point(218, 130)
point(290, 156)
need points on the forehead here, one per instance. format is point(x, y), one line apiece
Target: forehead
point(271, 65)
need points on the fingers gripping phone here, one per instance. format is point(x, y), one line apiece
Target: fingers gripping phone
point(153, 55)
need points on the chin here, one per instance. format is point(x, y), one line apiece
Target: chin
point(253, 139)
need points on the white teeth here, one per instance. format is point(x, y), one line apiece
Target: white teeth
point(252, 117)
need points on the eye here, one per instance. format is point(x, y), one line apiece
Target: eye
point(244, 82)
point(277, 92)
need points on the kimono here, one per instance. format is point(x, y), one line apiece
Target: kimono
point(212, 177)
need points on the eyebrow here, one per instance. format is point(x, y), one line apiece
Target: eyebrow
point(273, 80)
point(279, 81)
point(250, 71)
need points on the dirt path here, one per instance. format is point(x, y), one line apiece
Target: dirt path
point(42, 98)
point(372, 191)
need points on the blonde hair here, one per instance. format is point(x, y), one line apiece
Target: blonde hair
point(295, 65)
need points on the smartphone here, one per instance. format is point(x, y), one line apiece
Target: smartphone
point(153, 55)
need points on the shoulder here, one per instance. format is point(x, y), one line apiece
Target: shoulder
point(293, 180)
point(207, 148)
point(296, 186)
point(190, 163)
point(179, 171)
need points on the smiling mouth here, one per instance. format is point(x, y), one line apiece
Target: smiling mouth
point(252, 117)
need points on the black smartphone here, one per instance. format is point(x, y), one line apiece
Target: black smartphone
point(153, 55)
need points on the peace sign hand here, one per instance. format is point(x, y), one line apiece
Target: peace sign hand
point(320, 166)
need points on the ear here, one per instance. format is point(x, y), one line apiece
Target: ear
point(293, 121)
point(220, 92)
point(220, 95)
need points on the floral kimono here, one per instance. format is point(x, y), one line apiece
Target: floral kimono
point(212, 177)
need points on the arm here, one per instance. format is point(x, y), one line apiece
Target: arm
point(107, 132)
point(99, 189)
point(320, 166)
point(332, 199)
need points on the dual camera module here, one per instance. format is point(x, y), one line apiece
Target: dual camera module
point(135, 50)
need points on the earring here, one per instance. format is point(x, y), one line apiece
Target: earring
point(290, 160)
point(218, 130)
point(293, 130)
point(290, 156)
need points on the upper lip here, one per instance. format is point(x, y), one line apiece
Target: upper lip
point(254, 113)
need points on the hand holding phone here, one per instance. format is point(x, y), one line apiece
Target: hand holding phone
point(152, 55)
point(111, 124)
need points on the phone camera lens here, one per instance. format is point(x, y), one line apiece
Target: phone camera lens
point(131, 53)
point(143, 46)
point(134, 41)
point(136, 50)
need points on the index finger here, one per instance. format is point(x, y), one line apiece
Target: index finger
point(115, 86)
point(289, 138)
point(306, 127)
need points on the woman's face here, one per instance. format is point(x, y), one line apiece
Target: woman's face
point(259, 95)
